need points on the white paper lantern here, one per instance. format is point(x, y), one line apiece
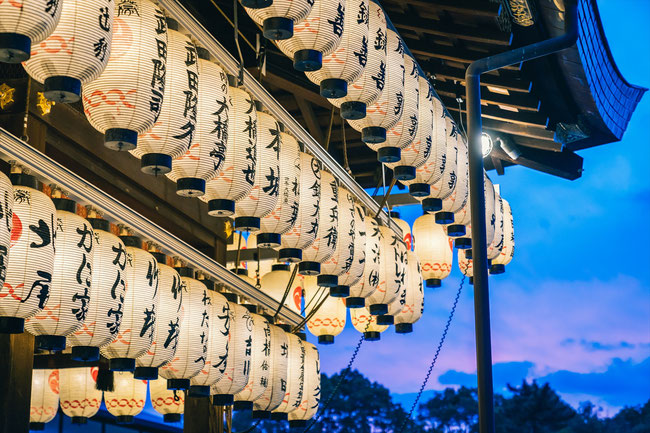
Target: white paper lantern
point(433, 249)
point(76, 52)
point(127, 399)
point(168, 402)
point(6, 223)
point(137, 330)
point(507, 250)
point(67, 308)
point(237, 177)
point(455, 201)
point(278, 19)
point(205, 156)
point(494, 247)
point(24, 24)
point(392, 272)
point(466, 265)
point(169, 318)
point(317, 36)
point(348, 61)
point(30, 262)
point(445, 186)
point(44, 398)
point(294, 387)
point(413, 306)
point(490, 210)
point(127, 98)
point(275, 283)
point(329, 320)
point(407, 236)
point(311, 392)
point(306, 218)
point(366, 323)
point(372, 261)
point(354, 272)
point(462, 219)
point(80, 398)
point(343, 257)
point(260, 368)
point(272, 397)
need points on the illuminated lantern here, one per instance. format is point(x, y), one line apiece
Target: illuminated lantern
point(329, 320)
point(283, 217)
point(204, 158)
point(328, 223)
point(25, 24)
point(387, 110)
point(465, 242)
point(127, 398)
point(311, 390)
point(263, 197)
point(507, 250)
point(30, 261)
point(258, 377)
point(44, 398)
point(76, 52)
point(343, 257)
point(238, 362)
point(348, 61)
point(317, 36)
point(494, 247)
point(305, 220)
point(445, 186)
point(243, 274)
point(462, 220)
point(168, 402)
point(354, 272)
point(368, 87)
point(366, 323)
point(456, 201)
point(193, 334)
point(6, 223)
point(80, 399)
point(295, 377)
point(126, 99)
point(407, 237)
point(433, 249)
point(391, 272)
point(278, 19)
point(215, 359)
point(413, 300)
point(275, 283)
point(278, 363)
point(169, 317)
point(67, 308)
point(237, 177)
point(136, 332)
point(466, 264)
point(417, 151)
point(368, 283)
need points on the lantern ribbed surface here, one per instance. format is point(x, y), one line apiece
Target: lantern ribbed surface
point(272, 396)
point(279, 19)
point(462, 217)
point(127, 97)
point(263, 197)
point(28, 23)
point(366, 323)
point(127, 398)
point(392, 269)
point(348, 61)
point(355, 272)
point(494, 247)
point(433, 248)
point(368, 87)
point(369, 282)
point(258, 377)
point(311, 390)
point(413, 300)
point(237, 177)
point(6, 221)
point(166, 401)
point(140, 304)
point(295, 385)
point(343, 257)
point(107, 292)
point(238, 364)
point(407, 236)
point(44, 397)
point(465, 264)
point(303, 232)
point(508, 249)
point(79, 396)
point(490, 210)
point(329, 320)
point(283, 217)
point(76, 52)
point(207, 151)
point(31, 255)
point(275, 283)
point(445, 186)
point(388, 109)
point(328, 223)
point(455, 201)
point(316, 36)
point(69, 301)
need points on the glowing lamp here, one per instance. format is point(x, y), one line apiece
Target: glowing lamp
point(80, 398)
point(329, 320)
point(170, 403)
point(127, 398)
point(433, 249)
point(278, 19)
point(44, 398)
point(366, 323)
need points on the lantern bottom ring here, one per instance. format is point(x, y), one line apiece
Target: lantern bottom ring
point(404, 172)
point(353, 110)
point(327, 280)
point(199, 391)
point(292, 255)
point(121, 364)
point(307, 60)
point(432, 205)
point(456, 230)
point(172, 417)
point(156, 164)
point(419, 189)
point(221, 207)
point(190, 187)
point(355, 302)
point(66, 90)
point(378, 309)
point(279, 416)
point(463, 243)
point(388, 155)
point(340, 292)
point(120, 139)
point(471, 281)
point(373, 135)
point(371, 336)
point(145, 373)
point(79, 420)
point(325, 339)
point(124, 419)
point(241, 405)
point(433, 282)
point(269, 240)
point(277, 28)
point(385, 319)
point(309, 268)
point(178, 384)
point(444, 217)
point(261, 414)
point(14, 48)
point(37, 426)
point(85, 353)
point(403, 328)
point(333, 88)
point(497, 269)
point(223, 399)
point(12, 325)
point(297, 423)
point(50, 342)
point(247, 223)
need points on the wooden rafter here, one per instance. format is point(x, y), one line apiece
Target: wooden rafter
point(451, 73)
point(519, 101)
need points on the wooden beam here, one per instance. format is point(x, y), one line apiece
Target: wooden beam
point(518, 130)
point(458, 74)
point(520, 101)
point(496, 162)
point(550, 145)
point(567, 164)
point(524, 118)
point(311, 120)
point(466, 7)
point(290, 86)
point(15, 381)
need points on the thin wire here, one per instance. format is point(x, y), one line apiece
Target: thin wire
point(460, 116)
point(232, 24)
point(311, 313)
point(329, 130)
point(435, 357)
point(240, 79)
point(286, 291)
point(346, 163)
point(307, 304)
point(238, 252)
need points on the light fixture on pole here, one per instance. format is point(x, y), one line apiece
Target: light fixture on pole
point(486, 144)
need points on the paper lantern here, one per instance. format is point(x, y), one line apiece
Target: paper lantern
point(466, 264)
point(30, 262)
point(138, 326)
point(407, 237)
point(366, 323)
point(278, 363)
point(168, 402)
point(494, 247)
point(507, 250)
point(311, 391)
point(455, 201)
point(76, 52)
point(348, 61)
point(433, 249)
point(237, 366)
point(317, 36)
point(194, 333)
point(278, 19)
point(68, 305)
point(44, 398)
point(294, 387)
point(80, 398)
point(25, 24)
point(343, 257)
point(446, 184)
point(275, 283)
point(237, 177)
point(417, 151)
point(258, 377)
point(207, 151)
point(392, 271)
point(6, 223)
point(354, 272)
point(368, 87)
point(169, 318)
point(368, 283)
point(127, 97)
point(413, 305)
point(263, 197)
point(465, 241)
point(329, 320)
point(388, 109)
point(306, 217)
point(257, 4)
point(127, 398)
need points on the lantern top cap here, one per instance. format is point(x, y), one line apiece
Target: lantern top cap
point(22, 179)
point(185, 271)
point(172, 24)
point(239, 271)
point(100, 224)
point(280, 267)
point(160, 257)
point(230, 297)
point(202, 53)
point(65, 204)
point(132, 241)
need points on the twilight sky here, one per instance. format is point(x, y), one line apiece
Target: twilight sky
point(573, 307)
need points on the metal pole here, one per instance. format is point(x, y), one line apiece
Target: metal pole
point(477, 197)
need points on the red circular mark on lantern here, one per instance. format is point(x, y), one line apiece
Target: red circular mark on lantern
point(16, 230)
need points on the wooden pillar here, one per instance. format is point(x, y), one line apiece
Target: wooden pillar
point(16, 360)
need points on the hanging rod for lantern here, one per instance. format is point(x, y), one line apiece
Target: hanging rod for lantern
point(228, 62)
point(13, 148)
